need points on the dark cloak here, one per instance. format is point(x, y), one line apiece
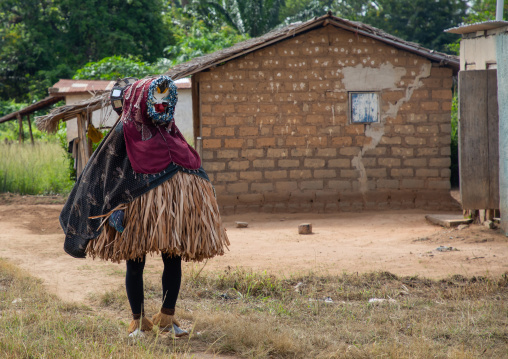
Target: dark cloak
point(107, 181)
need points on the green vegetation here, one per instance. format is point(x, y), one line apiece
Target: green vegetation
point(39, 169)
point(260, 316)
point(196, 37)
point(42, 41)
point(112, 68)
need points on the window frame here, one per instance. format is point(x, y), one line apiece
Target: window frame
point(350, 107)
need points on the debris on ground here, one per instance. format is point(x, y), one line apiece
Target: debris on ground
point(297, 287)
point(381, 301)
point(446, 249)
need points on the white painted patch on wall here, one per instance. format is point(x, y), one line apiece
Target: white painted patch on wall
point(361, 78)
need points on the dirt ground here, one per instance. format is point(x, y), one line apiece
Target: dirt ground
point(401, 242)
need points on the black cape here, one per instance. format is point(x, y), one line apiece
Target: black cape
point(107, 181)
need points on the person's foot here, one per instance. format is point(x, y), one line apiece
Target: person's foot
point(140, 325)
point(168, 323)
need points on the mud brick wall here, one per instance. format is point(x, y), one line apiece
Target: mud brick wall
point(276, 135)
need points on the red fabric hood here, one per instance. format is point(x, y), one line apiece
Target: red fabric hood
point(152, 147)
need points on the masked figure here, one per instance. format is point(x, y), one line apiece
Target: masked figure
point(144, 191)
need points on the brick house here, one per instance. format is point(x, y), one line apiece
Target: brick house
point(325, 115)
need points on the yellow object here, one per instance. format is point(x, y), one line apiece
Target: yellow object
point(94, 134)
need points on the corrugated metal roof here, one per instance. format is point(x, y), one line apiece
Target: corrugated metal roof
point(184, 83)
point(67, 86)
point(479, 26)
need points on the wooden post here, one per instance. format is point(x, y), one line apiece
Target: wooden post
point(502, 96)
point(30, 128)
point(196, 106)
point(21, 137)
point(88, 139)
point(82, 144)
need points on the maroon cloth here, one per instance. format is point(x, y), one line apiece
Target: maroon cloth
point(152, 147)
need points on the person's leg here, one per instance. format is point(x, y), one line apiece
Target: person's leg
point(171, 280)
point(134, 285)
point(135, 294)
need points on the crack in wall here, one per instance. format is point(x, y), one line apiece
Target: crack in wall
point(376, 131)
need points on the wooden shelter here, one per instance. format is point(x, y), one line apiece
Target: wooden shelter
point(26, 112)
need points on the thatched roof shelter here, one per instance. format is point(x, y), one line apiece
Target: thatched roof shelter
point(49, 122)
point(27, 111)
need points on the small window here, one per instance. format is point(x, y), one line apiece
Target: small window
point(363, 107)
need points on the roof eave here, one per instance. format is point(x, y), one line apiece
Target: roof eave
point(48, 101)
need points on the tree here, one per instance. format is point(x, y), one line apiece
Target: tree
point(27, 45)
point(302, 10)
point(114, 67)
point(248, 17)
point(420, 21)
point(194, 37)
point(95, 29)
point(483, 10)
point(44, 40)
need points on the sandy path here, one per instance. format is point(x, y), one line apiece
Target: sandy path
point(31, 237)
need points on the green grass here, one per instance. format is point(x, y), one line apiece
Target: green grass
point(38, 169)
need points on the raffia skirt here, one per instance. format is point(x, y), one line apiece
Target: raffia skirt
point(178, 217)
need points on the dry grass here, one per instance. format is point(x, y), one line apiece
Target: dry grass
point(255, 315)
point(35, 324)
point(260, 316)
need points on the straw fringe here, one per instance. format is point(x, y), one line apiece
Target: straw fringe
point(179, 217)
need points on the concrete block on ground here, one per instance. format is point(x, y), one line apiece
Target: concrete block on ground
point(241, 224)
point(448, 220)
point(305, 228)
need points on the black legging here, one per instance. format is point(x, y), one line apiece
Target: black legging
point(171, 279)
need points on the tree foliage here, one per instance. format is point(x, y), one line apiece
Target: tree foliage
point(193, 37)
point(248, 17)
point(114, 67)
point(302, 10)
point(419, 21)
point(44, 40)
point(484, 10)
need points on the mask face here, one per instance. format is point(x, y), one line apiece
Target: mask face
point(162, 99)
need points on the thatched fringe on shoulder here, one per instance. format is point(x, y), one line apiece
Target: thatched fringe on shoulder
point(179, 217)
